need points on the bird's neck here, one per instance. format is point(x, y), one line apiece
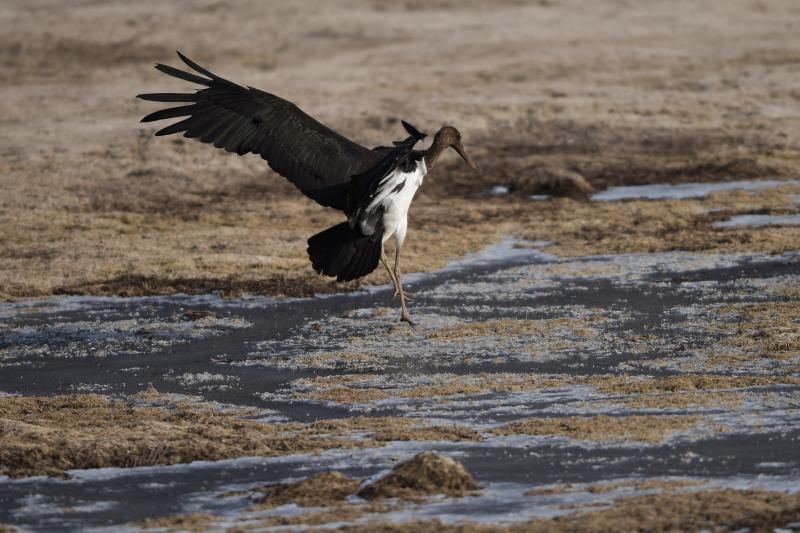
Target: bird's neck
point(432, 154)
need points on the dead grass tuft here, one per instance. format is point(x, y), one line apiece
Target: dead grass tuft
point(326, 488)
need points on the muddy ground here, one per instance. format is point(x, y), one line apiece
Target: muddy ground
point(584, 354)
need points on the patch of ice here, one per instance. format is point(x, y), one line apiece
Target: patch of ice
point(189, 379)
point(499, 189)
point(758, 221)
point(683, 190)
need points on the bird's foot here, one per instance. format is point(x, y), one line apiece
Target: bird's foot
point(407, 295)
point(405, 318)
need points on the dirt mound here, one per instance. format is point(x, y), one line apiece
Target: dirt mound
point(550, 180)
point(425, 474)
point(320, 490)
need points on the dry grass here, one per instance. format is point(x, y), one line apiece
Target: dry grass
point(717, 510)
point(670, 510)
point(320, 490)
point(93, 204)
point(669, 391)
point(682, 400)
point(690, 382)
point(511, 327)
point(50, 435)
point(646, 428)
point(769, 330)
point(685, 390)
point(181, 522)
point(662, 485)
point(452, 433)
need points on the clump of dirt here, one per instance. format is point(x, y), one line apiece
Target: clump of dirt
point(180, 522)
point(550, 180)
point(646, 428)
point(425, 474)
point(326, 488)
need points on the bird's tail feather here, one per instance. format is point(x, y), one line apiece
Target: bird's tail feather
point(344, 252)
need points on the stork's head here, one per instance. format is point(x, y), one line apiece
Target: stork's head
point(448, 136)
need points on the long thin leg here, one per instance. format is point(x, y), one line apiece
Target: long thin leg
point(385, 261)
point(404, 310)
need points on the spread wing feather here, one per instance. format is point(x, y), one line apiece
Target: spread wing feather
point(319, 161)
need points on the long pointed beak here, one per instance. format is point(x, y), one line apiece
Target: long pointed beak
point(467, 159)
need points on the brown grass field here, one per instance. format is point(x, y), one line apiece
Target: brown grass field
point(618, 92)
point(547, 94)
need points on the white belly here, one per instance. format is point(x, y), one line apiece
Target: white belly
point(396, 204)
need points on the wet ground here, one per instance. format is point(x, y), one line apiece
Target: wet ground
point(677, 368)
point(567, 381)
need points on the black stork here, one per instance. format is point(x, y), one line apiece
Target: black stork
point(374, 188)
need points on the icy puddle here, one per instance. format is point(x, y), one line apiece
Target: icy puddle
point(563, 386)
point(683, 190)
point(757, 221)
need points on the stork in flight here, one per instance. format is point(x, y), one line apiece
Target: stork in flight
point(374, 188)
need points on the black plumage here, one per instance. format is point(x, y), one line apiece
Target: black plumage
point(319, 161)
point(374, 188)
point(344, 252)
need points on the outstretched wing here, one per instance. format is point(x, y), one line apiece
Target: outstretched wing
point(319, 161)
